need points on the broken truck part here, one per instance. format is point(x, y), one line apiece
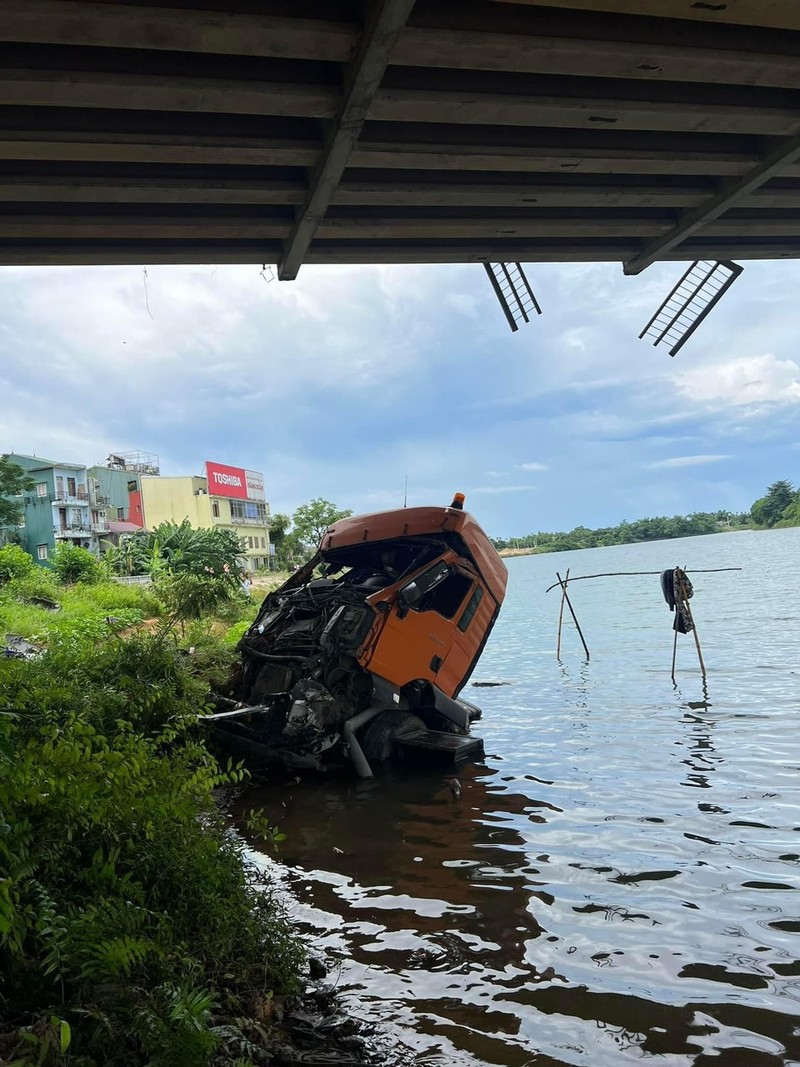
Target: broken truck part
point(362, 654)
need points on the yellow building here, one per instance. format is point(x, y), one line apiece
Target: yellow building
point(230, 497)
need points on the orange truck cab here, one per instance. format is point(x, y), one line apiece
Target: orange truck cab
point(364, 651)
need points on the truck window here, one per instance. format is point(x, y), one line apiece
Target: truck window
point(468, 613)
point(447, 596)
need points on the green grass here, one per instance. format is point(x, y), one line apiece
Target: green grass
point(89, 612)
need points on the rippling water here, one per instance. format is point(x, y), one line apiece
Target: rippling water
point(618, 881)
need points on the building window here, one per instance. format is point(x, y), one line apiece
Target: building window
point(247, 510)
point(41, 488)
point(215, 509)
point(41, 551)
point(121, 513)
point(71, 490)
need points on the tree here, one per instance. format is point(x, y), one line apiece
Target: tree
point(14, 481)
point(313, 519)
point(769, 509)
point(791, 516)
point(287, 545)
point(278, 529)
point(180, 548)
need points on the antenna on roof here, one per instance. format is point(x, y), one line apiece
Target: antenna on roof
point(405, 494)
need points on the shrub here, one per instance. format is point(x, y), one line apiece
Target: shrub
point(14, 563)
point(127, 912)
point(72, 564)
point(36, 583)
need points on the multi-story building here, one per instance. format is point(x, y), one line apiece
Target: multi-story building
point(229, 497)
point(116, 485)
point(60, 508)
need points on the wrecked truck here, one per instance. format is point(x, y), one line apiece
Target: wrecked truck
point(362, 654)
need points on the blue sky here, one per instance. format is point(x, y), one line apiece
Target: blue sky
point(342, 383)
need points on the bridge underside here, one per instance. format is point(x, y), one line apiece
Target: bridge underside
point(292, 131)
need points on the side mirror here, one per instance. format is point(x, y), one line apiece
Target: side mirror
point(409, 595)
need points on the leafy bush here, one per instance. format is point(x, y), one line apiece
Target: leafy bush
point(73, 564)
point(14, 563)
point(127, 911)
point(178, 548)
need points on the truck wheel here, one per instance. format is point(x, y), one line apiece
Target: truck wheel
point(379, 735)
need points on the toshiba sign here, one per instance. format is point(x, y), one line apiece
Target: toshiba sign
point(226, 481)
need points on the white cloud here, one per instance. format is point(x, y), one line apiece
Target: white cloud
point(344, 382)
point(464, 303)
point(749, 380)
point(687, 461)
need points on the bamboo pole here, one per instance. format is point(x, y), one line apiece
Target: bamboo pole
point(694, 624)
point(621, 574)
point(561, 618)
point(674, 651)
point(572, 613)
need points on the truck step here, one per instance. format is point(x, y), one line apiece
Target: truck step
point(436, 746)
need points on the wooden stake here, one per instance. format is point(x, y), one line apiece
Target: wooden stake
point(681, 600)
point(674, 652)
point(572, 613)
point(561, 618)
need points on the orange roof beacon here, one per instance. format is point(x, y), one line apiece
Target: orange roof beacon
point(363, 652)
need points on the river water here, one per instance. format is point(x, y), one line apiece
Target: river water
point(618, 880)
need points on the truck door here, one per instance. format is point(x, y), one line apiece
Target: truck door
point(472, 620)
point(418, 635)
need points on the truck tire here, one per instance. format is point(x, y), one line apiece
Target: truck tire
point(379, 736)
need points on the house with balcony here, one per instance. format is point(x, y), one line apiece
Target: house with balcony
point(59, 509)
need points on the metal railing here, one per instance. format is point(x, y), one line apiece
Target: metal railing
point(71, 498)
point(72, 531)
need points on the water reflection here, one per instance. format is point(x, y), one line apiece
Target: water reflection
point(580, 902)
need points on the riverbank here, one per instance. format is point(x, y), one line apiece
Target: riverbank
point(535, 550)
point(133, 929)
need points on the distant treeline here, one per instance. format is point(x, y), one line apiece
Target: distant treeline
point(655, 529)
point(780, 506)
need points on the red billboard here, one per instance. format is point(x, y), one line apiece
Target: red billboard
point(226, 481)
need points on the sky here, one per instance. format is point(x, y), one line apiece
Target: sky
point(349, 380)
